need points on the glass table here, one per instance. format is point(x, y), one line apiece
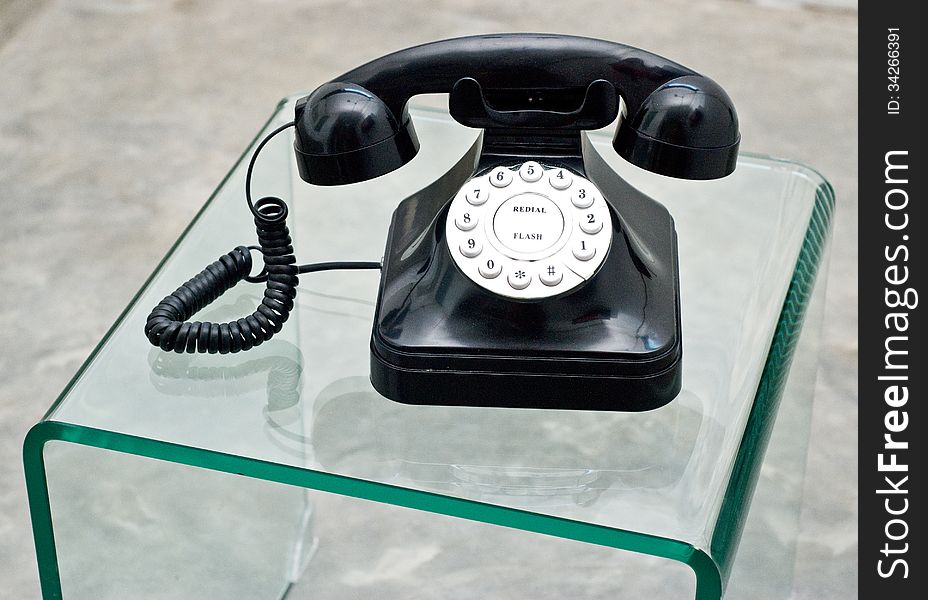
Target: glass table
point(280, 472)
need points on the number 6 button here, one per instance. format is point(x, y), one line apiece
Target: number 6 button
point(500, 177)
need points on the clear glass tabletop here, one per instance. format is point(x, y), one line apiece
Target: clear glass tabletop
point(674, 482)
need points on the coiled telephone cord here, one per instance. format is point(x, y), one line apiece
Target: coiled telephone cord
point(167, 326)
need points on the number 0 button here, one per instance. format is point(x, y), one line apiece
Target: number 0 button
point(471, 247)
point(500, 177)
point(490, 268)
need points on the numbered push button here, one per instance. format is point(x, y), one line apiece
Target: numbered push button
point(519, 279)
point(591, 222)
point(471, 247)
point(582, 198)
point(465, 221)
point(531, 171)
point(583, 250)
point(550, 275)
point(477, 196)
point(490, 268)
point(560, 179)
point(500, 177)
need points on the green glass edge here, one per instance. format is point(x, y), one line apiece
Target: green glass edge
point(711, 573)
point(746, 469)
point(708, 582)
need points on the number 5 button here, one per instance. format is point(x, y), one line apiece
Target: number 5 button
point(531, 171)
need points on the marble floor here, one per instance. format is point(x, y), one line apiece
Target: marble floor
point(120, 116)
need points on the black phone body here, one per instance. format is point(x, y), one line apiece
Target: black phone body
point(611, 343)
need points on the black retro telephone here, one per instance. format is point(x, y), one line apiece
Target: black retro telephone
point(544, 280)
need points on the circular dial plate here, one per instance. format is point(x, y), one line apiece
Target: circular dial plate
point(528, 231)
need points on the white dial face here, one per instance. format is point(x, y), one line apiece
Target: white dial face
point(529, 231)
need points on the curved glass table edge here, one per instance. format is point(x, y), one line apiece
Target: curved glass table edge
point(711, 565)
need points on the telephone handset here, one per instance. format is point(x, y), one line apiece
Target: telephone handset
point(544, 280)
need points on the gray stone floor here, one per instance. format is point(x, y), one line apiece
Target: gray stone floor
point(120, 116)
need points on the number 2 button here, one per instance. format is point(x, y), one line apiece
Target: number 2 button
point(591, 223)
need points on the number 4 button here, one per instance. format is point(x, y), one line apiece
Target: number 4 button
point(560, 179)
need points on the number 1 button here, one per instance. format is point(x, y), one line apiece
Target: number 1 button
point(583, 250)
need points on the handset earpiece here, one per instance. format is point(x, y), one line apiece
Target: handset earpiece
point(346, 134)
point(685, 128)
